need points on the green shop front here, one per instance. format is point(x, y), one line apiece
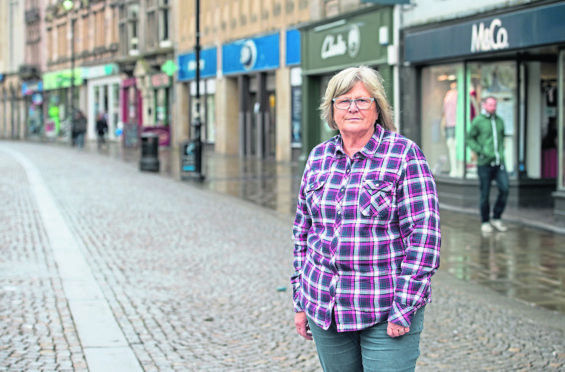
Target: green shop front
point(360, 38)
point(57, 97)
point(516, 55)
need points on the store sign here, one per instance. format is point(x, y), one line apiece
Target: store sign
point(493, 37)
point(292, 47)
point(336, 44)
point(160, 80)
point(348, 41)
point(187, 64)
point(261, 53)
point(30, 87)
point(525, 28)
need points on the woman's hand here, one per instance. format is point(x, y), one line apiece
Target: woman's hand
point(395, 330)
point(302, 327)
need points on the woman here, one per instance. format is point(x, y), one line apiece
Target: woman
point(367, 234)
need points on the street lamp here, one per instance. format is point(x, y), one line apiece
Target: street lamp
point(69, 5)
point(197, 123)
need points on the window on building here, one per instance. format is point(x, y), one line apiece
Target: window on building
point(133, 31)
point(443, 119)
point(498, 80)
point(451, 99)
point(164, 23)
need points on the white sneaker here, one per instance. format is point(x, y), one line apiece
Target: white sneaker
point(497, 224)
point(486, 227)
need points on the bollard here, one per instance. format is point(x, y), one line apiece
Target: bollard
point(149, 152)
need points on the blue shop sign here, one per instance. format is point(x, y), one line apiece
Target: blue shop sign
point(521, 29)
point(187, 64)
point(292, 47)
point(1, 77)
point(261, 53)
point(30, 87)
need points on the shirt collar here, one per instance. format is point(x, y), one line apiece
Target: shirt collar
point(369, 149)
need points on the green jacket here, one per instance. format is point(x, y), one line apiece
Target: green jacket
point(481, 139)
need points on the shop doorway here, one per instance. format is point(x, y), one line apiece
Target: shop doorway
point(259, 116)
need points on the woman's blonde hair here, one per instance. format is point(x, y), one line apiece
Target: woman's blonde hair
point(343, 82)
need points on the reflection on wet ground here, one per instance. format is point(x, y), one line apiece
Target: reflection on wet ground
point(523, 263)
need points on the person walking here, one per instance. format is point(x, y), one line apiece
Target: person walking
point(486, 139)
point(366, 234)
point(101, 129)
point(79, 128)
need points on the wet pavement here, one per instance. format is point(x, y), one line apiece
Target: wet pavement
point(192, 277)
point(527, 262)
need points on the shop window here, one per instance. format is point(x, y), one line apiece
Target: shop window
point(443, 118)
point(497, 79)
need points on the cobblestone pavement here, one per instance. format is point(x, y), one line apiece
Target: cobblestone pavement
point(196, 280)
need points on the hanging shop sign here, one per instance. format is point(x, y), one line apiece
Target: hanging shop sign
point(256, 54)
point(515, 30)
point(187, 64)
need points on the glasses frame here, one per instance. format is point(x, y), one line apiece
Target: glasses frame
point(353, 101)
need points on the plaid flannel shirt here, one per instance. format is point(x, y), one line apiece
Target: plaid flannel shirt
point(366, 234)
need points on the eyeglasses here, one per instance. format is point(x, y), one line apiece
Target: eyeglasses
point(362, 103)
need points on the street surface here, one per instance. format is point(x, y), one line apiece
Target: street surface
point(106, 268)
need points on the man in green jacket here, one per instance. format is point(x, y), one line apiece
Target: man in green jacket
point(486, 139)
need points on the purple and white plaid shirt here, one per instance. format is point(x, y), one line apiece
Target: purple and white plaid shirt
point(366, 234)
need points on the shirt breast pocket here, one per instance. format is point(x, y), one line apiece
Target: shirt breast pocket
point(315, 193)
point(377, 200)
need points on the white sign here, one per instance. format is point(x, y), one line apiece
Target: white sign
point(335, 45)
point(493, 37)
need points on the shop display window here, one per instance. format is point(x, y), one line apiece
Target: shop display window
point(496, 79)
point(451, 96)
point(443, 119)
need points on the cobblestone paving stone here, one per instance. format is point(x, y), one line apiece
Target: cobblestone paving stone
point(37, 331)
point(195, 280)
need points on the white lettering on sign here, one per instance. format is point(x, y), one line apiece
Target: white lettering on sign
point(332, 47)
point(336, 45)
point(493, 37)
point(192, 65)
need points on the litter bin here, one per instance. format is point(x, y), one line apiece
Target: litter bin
point(149, 152)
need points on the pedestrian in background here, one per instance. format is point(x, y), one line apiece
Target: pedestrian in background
point(486, 139)
point(101, 128)
point(79, 128)
point(366, 234)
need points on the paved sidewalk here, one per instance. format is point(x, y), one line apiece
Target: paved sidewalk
point(195, 279)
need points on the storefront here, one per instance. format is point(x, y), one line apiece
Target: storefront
point(57, 90)
point(160, 119)
point(514, 56)
point(132, 109)
point(32, 91)
point(12, 107)
point(362, 38)
point(186, 77)
point(251, 65)
point(103, 97)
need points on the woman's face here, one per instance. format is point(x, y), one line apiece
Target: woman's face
point(353, 121)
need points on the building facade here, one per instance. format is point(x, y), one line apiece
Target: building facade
point(81, 47)
point(514, 52)
point(146, 49)
point(12, 37)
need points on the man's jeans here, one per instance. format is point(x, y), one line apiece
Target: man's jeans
point(487, 174)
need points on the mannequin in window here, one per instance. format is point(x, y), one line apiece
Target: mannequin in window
point(448, 122)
